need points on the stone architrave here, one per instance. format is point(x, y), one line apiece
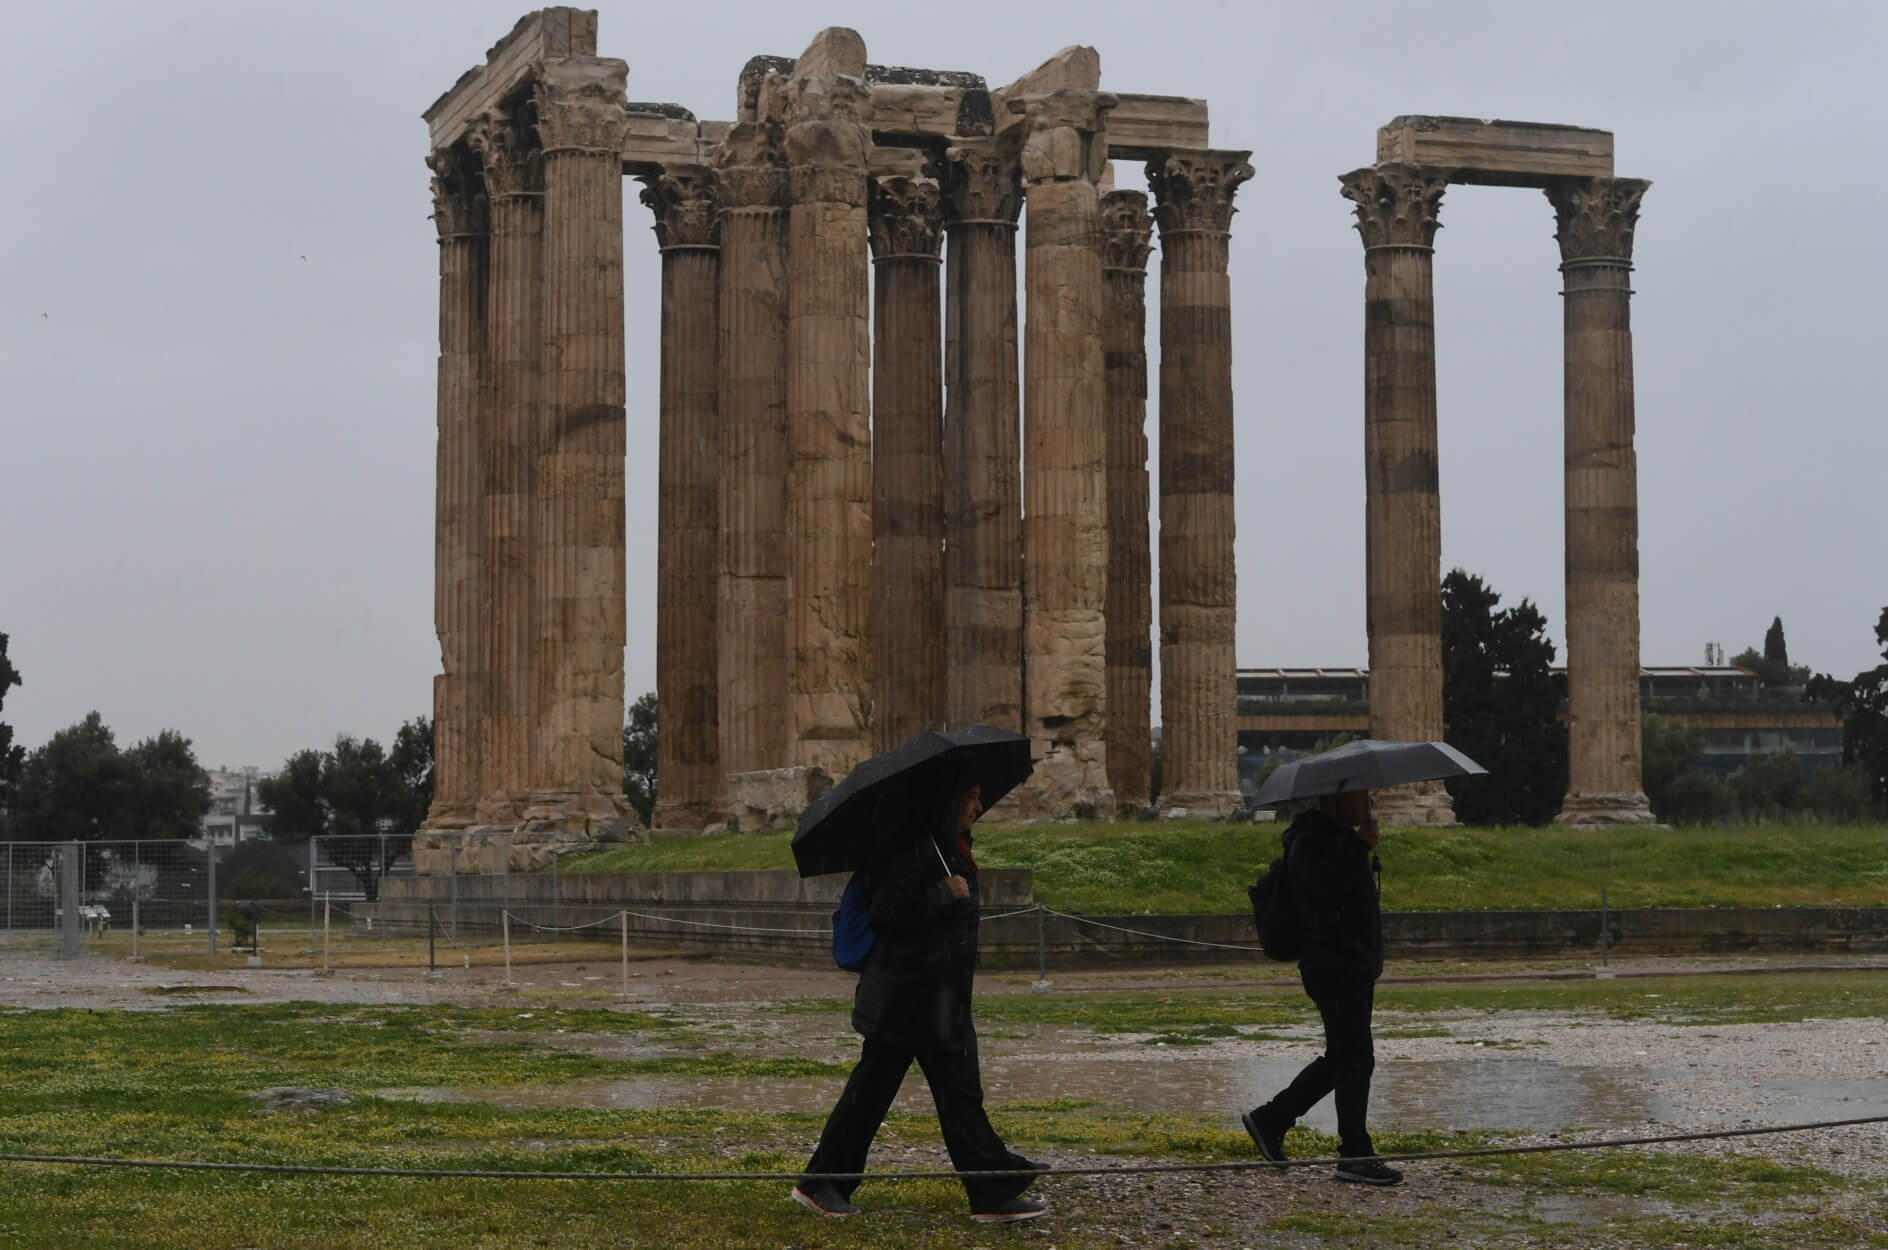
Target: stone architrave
point(1396, 207)
point(750, 167)
point(688, 514)
point(829, 482)
point(1065, 515)
point(578, 557)
point(906, 228)
point(983, 517)
point(1127, 238)
point(1596, 218)
point(513, 169)
point(1193, 203)
point(462, 215)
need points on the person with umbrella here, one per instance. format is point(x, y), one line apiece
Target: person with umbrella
point(1330, 856)
point(912, 1002)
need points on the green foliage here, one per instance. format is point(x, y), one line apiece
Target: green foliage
point(1501, 706)
point(1769, 786)
point(260, 868)
point(1862, 703)
point(80, 786)
point(1695, 797)
point(639, 757)
point(363, 802)
point(12, 757)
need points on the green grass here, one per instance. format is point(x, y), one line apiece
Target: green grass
point(178, 1083)
point(1112, 869)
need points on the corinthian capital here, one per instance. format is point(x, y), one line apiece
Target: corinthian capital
point(580, 102)
point(1596, 217)
point(459, 203)
point(1194, 190)
point(750, 166)
point(683, 199)
point(508, 156)
point(983, 180)
point(1396, 204)
point(905, 217)
point(1127, 230)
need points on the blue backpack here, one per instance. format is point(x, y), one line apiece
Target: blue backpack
point(852, 926)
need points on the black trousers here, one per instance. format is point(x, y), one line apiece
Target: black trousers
point(1344, 1069)
point(956, 1088)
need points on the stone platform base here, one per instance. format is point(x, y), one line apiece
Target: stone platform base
point(1594, 810)
point(1200, 804)
point(438, 852)
point(774, 798)
point(1425, 803)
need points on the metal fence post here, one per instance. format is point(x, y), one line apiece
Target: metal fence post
point(380, 886)
point(452, 873)
point(505, 871)
point(211, 855)
point(556, 909)
point(312, 890)
point(9, 894)
point(71, 937)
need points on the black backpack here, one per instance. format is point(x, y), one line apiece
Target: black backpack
point(1281, 930)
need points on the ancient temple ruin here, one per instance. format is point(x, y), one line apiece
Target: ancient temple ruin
point(869, 524)
point(1398, 200)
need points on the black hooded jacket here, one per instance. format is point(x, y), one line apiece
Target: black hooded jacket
point(914, 990)
point(1330, 872)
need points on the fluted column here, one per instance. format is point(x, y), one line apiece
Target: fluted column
point(752, 175)
point(579, 551)
point(1127, 236)
point(513, 169)
point(829, 480)
point(906, 227)
point(1193, 202)
point(1065, 518)
point(1596, 219)
point(983, 517)
point(1396, 215)
point(688, 515)
point(462, 215)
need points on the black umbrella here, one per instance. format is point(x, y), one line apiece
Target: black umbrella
point(848, 826)
point(1366, 764)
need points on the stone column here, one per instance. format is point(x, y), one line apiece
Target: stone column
point(1065, 517)
point(1596, 219)
point(751, 169)
point(688, 514)
point(1193, 194)
point(829, 481)
point(906, 227)
point(1127, 236)
point(462, 215)
point(513, 170)
point(579, 553)
point(983, 519)
point(1396, 215)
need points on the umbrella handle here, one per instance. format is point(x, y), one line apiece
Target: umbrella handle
point(940, 858)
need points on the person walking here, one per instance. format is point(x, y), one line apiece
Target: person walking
point(1329, 857)
point(913, 1003)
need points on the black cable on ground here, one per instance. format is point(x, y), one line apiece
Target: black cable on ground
point(1143, 1169)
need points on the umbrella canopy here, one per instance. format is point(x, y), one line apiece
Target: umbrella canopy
point(851, 824)
point(1366, 764)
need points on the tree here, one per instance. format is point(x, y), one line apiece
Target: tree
point(171, 792)
point(362, 802)
point(1772, 665)
point(1862, 703)
point(77, 787)
point(639, 757)
point(1501, 705)
point(12, 758)
point(1775, 649)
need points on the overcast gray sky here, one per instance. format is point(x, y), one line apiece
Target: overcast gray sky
point(218, 320)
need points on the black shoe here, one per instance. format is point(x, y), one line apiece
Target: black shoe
point(1271, 1142)
point(1020, 1164)
point(1010, 1212)
point(1368, 1171)
point(823, 1200)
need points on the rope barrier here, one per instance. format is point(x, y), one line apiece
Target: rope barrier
point(575, 928)
point(1160, 937)
point(1133, 1169)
